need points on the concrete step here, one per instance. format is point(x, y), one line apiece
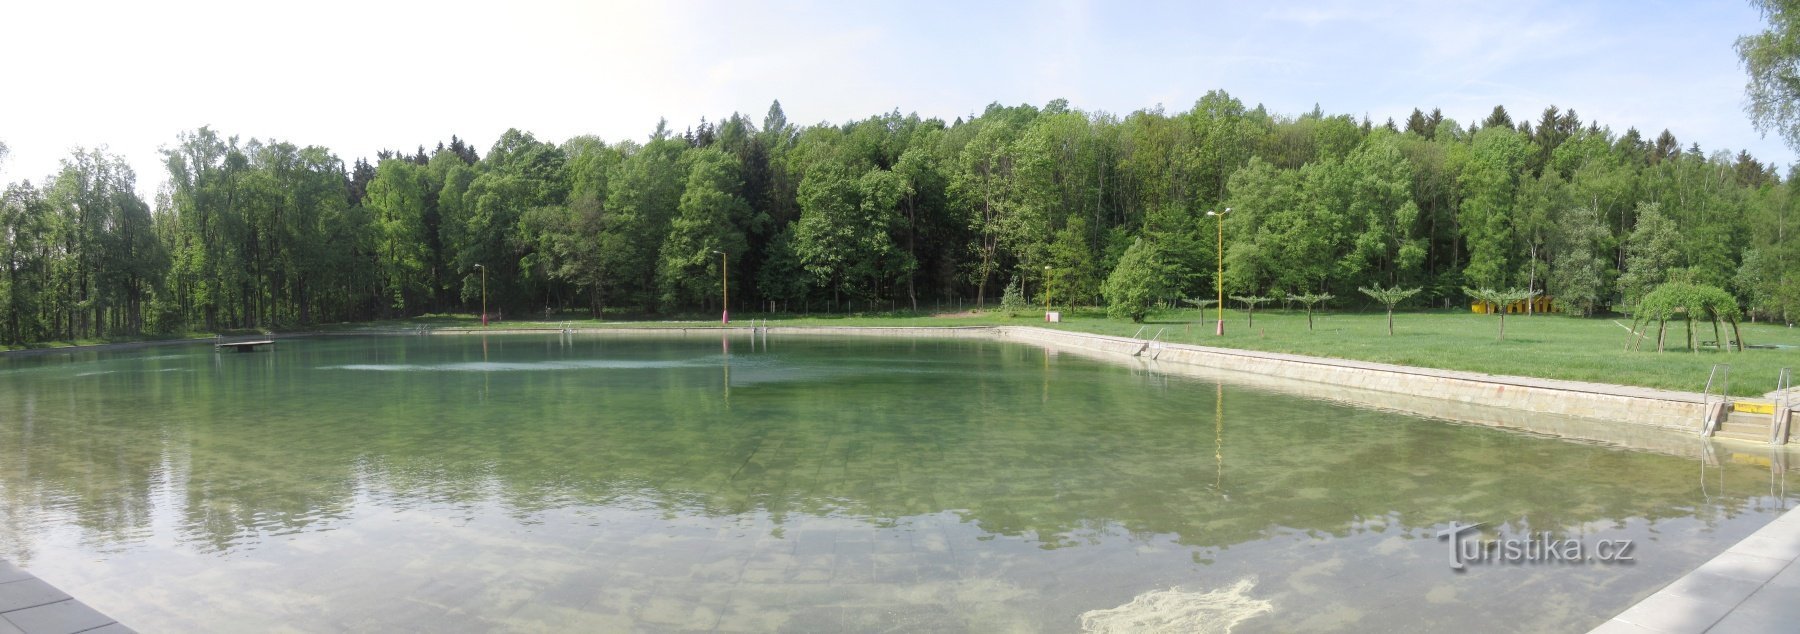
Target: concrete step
point(1745, 424)
point(1761, 435)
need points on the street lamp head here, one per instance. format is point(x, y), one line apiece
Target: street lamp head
point(718, 253)
point(478, 266)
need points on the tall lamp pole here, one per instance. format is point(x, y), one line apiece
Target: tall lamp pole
point(1219, 281)
point(724, 289)
point(483, 294)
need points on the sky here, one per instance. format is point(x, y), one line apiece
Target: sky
point(358, 76)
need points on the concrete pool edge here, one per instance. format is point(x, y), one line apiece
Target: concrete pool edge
point(29, 605)
point(1747, 588)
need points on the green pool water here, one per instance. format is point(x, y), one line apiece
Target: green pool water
point(556, 483)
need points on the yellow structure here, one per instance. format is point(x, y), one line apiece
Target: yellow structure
point(1539, 304)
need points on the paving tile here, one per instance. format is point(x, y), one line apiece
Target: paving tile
point(64, 617)
point(1616, 626)
point(28, 593)
point(1746, 567)
point(1708, 586)
point(111, 628)
point(1788, 579)
point(9, 572)
point(1674, 614)
point(1770, 610)
point(1771, 544)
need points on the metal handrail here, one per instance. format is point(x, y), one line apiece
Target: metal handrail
point(1784, 403)
point(1707, 421)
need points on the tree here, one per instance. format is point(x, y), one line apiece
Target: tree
point(1311, 299)
point(1012, 300)
point(397, 198)
point(843, 236)
point(1577, 272)
point(1250, 302)
point(708, 223)
point(1688, 301)
point(1074, 270)
point(1137, 283)
point(1772, 59)
point(1653, 253)
point(1491, 181)
point(1501, 301)
point(1388, 297)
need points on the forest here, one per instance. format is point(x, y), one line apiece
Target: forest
point(893, 212)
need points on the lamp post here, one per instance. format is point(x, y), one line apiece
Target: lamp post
point(483, 294)
point(1219, 281)
point(724, 289)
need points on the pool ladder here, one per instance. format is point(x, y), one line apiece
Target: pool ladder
point(1784, 407)
point(1154, 343)
point(1713, 412)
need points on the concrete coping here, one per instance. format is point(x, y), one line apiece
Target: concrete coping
point(1748, 588)
point(1497, 379)
point(30, 606)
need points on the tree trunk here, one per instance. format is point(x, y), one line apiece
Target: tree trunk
point(1718, 341)
point(1390, 321)
point(1662, 333)
point(1502, 324)
point(1738, 336)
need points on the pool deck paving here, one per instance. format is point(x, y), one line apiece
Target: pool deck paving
point(30, 606)
point(1753, 586)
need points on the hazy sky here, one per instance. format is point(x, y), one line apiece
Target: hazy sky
point(360, 75)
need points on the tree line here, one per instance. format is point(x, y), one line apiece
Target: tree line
point(892, 212)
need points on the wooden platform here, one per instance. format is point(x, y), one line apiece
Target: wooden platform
point(242, 346)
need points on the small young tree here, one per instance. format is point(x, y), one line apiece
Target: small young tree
point(1012, 302)
point(1250, 303)
point(1500, 299)
point(1389, 297)
point(1309, 299)
point(1201, 304)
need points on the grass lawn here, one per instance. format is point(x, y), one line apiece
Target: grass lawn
point(1547, 346)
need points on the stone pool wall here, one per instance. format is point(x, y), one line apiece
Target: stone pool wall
point(1664, 409)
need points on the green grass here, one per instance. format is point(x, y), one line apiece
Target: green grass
point(1546, 346)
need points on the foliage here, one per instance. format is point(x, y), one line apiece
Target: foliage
point(1250, 303)
point(1772, 59)
point(1389, 297)
point(1137, 283)
point(1501, 300)
point(1012, 301)
point(893, 210)
point(1689, 302)
point(1310, 300)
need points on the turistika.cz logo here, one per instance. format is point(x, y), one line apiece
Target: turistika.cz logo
point(1467, 549)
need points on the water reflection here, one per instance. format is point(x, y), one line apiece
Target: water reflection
point(964, 484)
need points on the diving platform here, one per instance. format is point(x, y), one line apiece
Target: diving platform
point(242, 346)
